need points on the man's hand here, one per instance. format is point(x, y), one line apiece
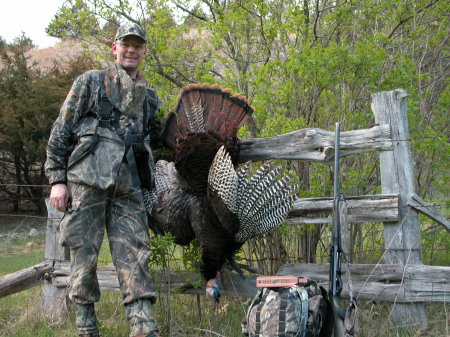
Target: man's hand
point(59, 197)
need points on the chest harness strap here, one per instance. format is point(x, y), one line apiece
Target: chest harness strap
point(109, 117)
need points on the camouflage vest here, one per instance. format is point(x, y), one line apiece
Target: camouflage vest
point(296, 311)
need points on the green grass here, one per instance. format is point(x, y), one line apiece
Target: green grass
point(14, 263)
point(14, 252)
point(191, 316)
point(178, 315)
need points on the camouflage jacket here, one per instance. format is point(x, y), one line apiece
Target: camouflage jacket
point(70, 154)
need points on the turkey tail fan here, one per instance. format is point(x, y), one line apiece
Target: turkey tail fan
point(261, 202)
point(206, 108)
point(230, 115)
point(191, 108)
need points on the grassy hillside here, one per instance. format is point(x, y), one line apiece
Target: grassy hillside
point(46, 58)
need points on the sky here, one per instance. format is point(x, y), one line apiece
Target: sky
point(29, 16)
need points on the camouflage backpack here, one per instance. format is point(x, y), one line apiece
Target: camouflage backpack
point(299, 310)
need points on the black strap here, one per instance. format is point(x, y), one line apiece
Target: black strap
point(282, 315)
point(109, 117)
point(131, 139)
point(262, 301)
point(258, 320)
point(133, 167)
point(258, 316)
point(104, 111)
point(145, 117)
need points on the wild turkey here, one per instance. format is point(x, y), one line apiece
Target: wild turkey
point(201, 195)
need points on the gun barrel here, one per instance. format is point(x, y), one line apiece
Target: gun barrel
point(336, 160)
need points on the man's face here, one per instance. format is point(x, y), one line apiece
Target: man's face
point(129, 52)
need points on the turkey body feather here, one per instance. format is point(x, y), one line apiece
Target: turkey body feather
point(201, 194)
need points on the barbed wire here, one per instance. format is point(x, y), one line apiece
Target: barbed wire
point(25, 185)
point(22, 199)
point(294, 259)
point(27, 216)
point(311, 199)
point(311, 211)
point(323, 257)
point(395, 327)
point(443, 206)
point(373, 207)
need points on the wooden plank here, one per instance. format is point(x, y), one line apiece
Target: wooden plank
point(384, 283)
point(54, 298)
point(307, 221)
point(180, 281)
point(315, 144)
point(360, 209)
point(402, 238)
point(429, 210)
point(24, 279)
point(53, 250)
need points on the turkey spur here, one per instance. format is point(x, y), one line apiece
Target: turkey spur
point(201, 194)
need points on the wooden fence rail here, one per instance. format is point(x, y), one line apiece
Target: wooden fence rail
point(24, 279)
point(374, 282)
point(382, 283)
point(367, 208)
point(315, 144)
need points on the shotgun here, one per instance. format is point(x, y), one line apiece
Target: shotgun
point(335, 280)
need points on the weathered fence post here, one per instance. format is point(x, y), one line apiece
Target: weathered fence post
point(53, 297)
point(402, 238)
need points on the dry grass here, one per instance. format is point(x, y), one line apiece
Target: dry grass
point(61, 53)
point(189, 316)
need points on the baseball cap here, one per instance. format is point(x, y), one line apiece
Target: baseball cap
point(130, 29)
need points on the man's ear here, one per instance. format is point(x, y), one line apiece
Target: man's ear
point(114, 48)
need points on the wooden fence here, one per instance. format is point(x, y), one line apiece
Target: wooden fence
point(402, 280)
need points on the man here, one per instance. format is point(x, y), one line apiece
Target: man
point(98, 159)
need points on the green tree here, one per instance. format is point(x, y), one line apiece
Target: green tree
point(30, 98)
point(82, 22)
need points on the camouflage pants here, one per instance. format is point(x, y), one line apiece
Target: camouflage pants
point(119, 210)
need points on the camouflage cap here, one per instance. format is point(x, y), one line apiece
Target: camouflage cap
point(130, 29)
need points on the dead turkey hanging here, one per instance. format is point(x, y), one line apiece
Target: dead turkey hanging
point(201, 195)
